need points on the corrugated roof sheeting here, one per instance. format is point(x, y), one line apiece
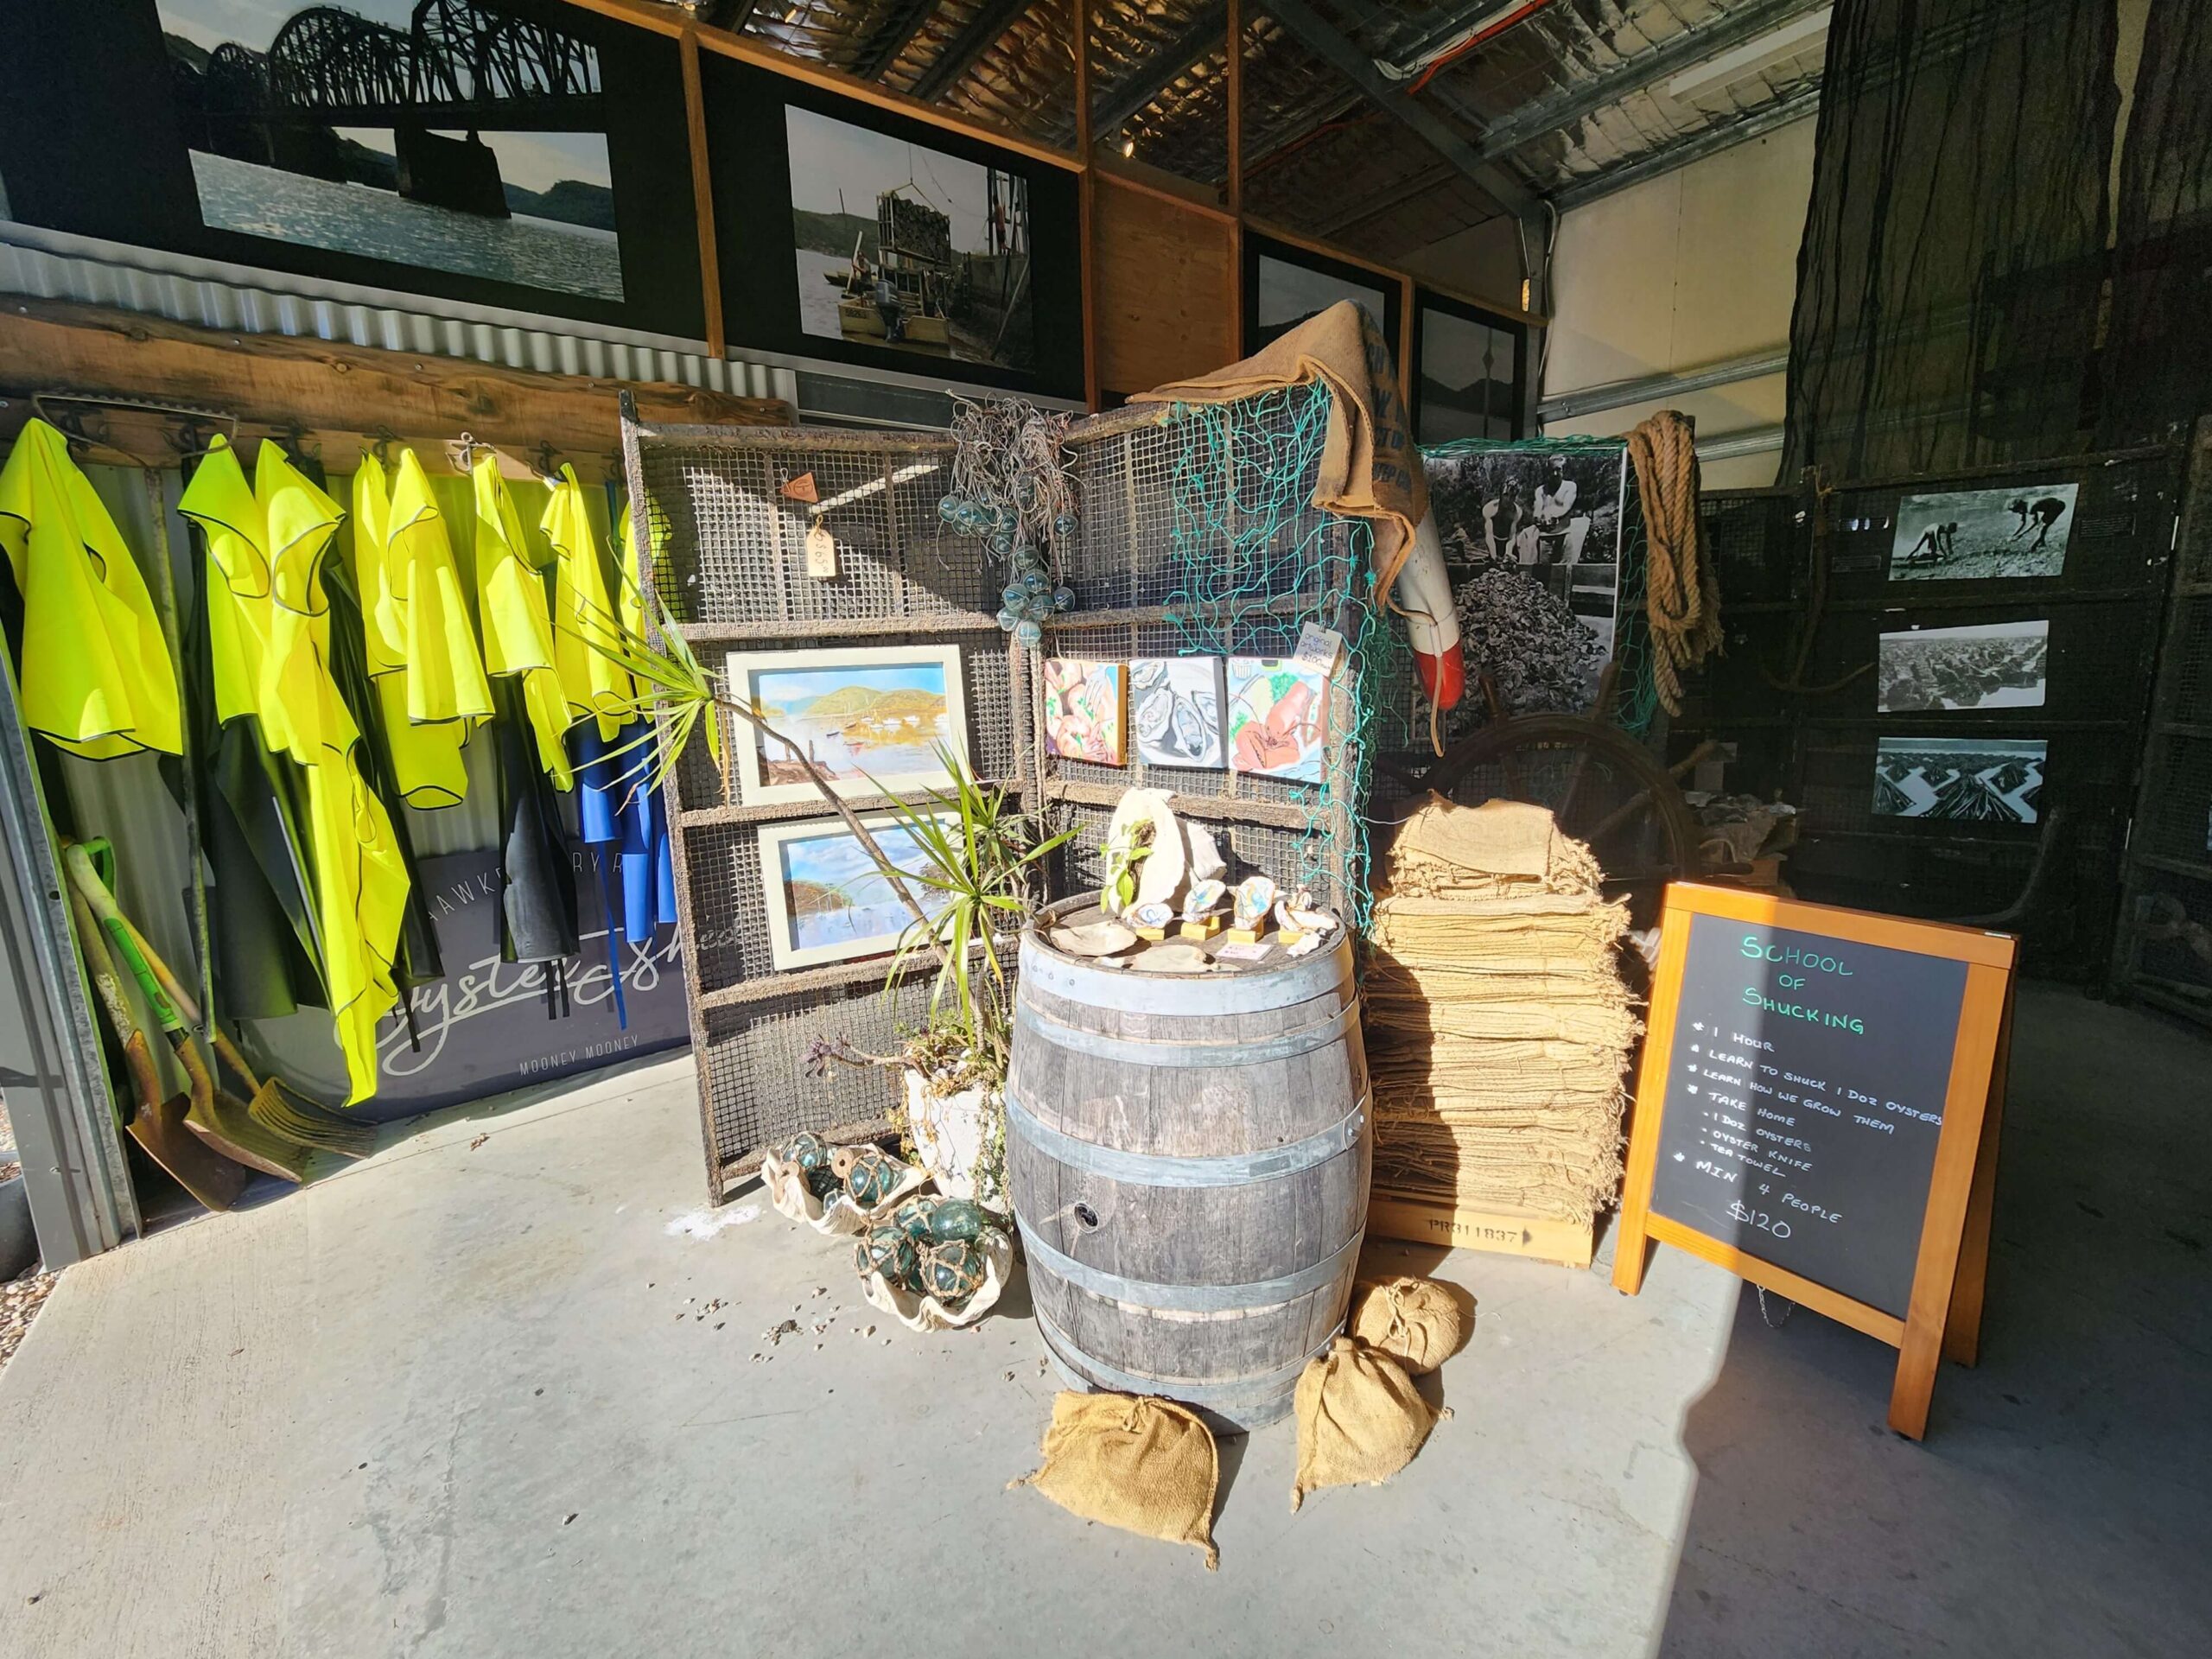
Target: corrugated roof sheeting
point(208, 303)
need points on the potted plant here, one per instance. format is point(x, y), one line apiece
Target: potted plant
point(979, 860)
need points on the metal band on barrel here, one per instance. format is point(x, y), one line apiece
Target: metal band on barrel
point(1127, 992)
point(1257, 1388)
point(1138, 1051)
point(1149, 1169)
point(1189, 1298)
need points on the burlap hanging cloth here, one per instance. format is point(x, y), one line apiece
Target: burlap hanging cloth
point(1146, 1465)
point(1359, 1418)
point(1369, 468)
point(1415, 1321)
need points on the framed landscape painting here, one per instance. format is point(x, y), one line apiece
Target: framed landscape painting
point(871, 718)
point(827, 900)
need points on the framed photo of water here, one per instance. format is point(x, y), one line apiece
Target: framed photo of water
point(520, 153)
point(827, 899)
point(873, 719)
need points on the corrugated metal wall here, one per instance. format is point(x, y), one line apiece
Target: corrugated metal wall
point(208, 296)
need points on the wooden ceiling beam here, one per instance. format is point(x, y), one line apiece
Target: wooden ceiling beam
point(1208, 28)
point(891, 37)
point(1318, 35)
point(984, 31)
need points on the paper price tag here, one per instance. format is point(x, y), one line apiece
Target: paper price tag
point(1318, 648)
point(821, 553)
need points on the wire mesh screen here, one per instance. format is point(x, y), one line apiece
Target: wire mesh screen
point(2163, 953)
point(733, 520)
point(731, 513)
point(754, 1074)
point(1197, 538)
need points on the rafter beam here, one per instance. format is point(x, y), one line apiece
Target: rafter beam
point(982, 32)
point(891, 37)
point(1318, 35)
point(1632, 75)
point(1152, 77)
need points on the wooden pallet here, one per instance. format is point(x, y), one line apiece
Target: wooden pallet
point(1423, 1219)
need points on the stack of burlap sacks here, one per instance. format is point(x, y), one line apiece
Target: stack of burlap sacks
point(1499, 1027)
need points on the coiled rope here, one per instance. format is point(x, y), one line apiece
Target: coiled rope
point(1681, 589)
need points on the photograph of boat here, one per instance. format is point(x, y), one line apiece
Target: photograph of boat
point(898, 244)
point(451, 134)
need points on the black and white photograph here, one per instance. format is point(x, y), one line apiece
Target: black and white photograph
point(1289, 294)
point(1532, 541)
point(1959, 779)
point(1468, 371)
point(1970, 534)
point(904, 246)
point(1984, 665)
point(450, 135)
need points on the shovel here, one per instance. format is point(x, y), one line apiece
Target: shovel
point(224, 1122)
point(157, 1125)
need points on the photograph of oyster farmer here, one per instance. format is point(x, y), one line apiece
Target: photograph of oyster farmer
point(458, 135)
point(899, 244)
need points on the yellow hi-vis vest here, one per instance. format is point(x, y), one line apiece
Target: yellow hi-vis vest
point(97, 678)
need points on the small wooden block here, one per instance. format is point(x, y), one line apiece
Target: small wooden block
point(1425, 1220)
point(1156, 934)
point(1247, 935)
point(1205, 928)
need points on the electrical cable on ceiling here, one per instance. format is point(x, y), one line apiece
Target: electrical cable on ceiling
point(1479, 35)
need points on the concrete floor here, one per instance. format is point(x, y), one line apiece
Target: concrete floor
point(459, 1401)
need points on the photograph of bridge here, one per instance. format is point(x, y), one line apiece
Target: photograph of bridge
point(453, 135)
point(899, 244)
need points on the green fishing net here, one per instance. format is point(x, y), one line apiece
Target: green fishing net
point(1249, 561)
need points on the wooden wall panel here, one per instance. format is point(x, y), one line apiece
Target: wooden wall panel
point(1166, 278)
point(321, 390)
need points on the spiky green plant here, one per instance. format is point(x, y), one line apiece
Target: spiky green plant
point(976, 856)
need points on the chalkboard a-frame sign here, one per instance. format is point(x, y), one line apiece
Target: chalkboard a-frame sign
point(1817, 1112)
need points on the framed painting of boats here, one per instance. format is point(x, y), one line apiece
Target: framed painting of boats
point(872, 719)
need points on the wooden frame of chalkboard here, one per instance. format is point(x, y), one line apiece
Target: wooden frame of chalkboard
point(1861, 1060)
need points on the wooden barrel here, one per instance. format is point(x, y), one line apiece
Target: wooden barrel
point(1188, 1158)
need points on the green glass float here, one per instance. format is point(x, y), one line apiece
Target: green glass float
point(929, 1219)
point(870, 1173)
point(958, 1219)
point(917, 1217)
point(954, 1271)
point(823, 1184)
point(809, 1151)
point(891, 1253)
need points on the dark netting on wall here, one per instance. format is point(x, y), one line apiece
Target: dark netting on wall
point(1954, 249)
point(2159, 342)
